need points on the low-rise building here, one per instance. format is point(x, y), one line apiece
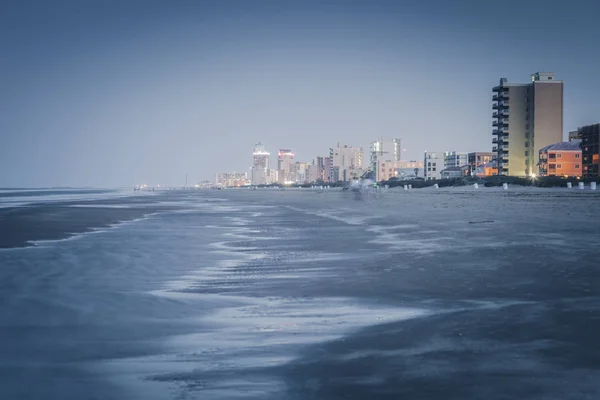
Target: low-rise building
point(433, 164)
point(400, 169)
point(488, 169)
point(455, 172)
point(475, 159)
point(232, 179)
point(561, 159)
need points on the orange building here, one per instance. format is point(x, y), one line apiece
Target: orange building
point(487, 169)
point(561, 159)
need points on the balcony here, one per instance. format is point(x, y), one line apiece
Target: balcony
point(496, 132)
point(504, 147)
point(494, 149)
point(494, 140)
point(504, 157)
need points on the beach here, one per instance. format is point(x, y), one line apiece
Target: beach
point(301, 294)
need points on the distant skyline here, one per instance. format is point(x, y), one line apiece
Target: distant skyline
point(116, 93)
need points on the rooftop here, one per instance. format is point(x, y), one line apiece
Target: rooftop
point(450, 169)
point(573, 145)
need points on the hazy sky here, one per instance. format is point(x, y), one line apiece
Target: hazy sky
point(114, 93)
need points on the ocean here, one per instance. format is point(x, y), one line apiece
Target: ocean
point(456, 293)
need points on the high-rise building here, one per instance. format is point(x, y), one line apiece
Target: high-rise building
point(347, 160)
point(260, 166)
point(590, 150)
point(312, 173)
point(527, 117)
point(433, 164)
point(479, 158)
point(323, 168)
point(285, 162)
point(455, 159)
point(300, 172)
point(384, 150)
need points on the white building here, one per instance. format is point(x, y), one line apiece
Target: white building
point(433, 164)
point(384, 150)
point(300, 172)
point(455, 159)
point(285, 162)
point(347, 161)
point(260, 166)
point(230, 179)
point(399, 169)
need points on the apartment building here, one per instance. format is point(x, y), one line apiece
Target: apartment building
point(347, 162)
point(433, 164)
point(399, 169)
point(561, 159)
point(455, 159)
point(590, 150)
point(384, 150)
point(478, 158)
point(527, 118)
point(488, 169)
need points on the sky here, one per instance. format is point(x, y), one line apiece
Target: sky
point(110, 93)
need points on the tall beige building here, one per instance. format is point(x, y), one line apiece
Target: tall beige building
point(527, 117)
point(348, 160)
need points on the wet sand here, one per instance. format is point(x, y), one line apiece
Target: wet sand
point(279, 295)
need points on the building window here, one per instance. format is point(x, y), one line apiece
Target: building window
point(434, 168)
point(559, 166)
point(558, 155)
point(577, 155)
point(526, 153)
point(434, 164)
point(551, 166)
point(577, 165)
point(552, 156)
